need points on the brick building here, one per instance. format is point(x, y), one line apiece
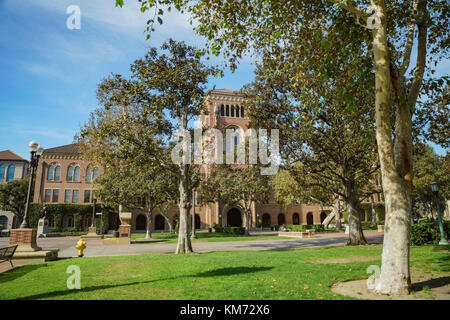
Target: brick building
point(12, 167)
point(63, 177)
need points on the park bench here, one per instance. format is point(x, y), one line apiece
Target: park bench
point(6, 254)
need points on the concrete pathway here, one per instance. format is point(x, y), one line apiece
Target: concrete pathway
point(96, 248)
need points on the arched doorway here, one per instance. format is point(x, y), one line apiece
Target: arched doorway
point(141, 222)
point(323, 216)
point(3, 222)
point(234, 218)
point(197, 222)
point(309, 218)
point(295, 219)
point(281, 219)
point(266, 220)
point(159, 222)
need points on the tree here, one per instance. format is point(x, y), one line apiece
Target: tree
point(138, 187)
point(327, 142)
point(13, 196)
point(140, 115)
point(428, 168)
point(235, 185)
point(239, 27)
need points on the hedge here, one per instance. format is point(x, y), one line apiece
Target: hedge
point(304, 227)
point(58, 210)
point(231, 230)
point(427, 232)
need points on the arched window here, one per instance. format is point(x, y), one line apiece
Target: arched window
point(232, 110)
point(242, 112)
point(266, 220)
point(222, 110)
point(95, 174)
point(237, 111)
point(323, 216)
point(54, 172)
point(235, 138)
point(295, 219)
point(281, 219)
point(57, 173)
point(228, 110)
point(88, 174)
point(51, 171)
point(309, 218)
point(2, 172)
point(76, 175)
point(10, 173)
point(70, 173)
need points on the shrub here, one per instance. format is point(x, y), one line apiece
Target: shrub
point(304, 227)
point(275, 227)
point(428, 232)
point(234, 230)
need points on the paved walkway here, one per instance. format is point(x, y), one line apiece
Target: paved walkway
point(96, 248)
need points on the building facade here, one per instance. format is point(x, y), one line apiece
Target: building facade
point(12, 167)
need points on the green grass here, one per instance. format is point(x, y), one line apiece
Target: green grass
point(207, 237)
point(288, 274)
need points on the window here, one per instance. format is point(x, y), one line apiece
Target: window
point(232, 111)
point(75, 196)
point(73, 173)
point(88, 175)
point(10, 173)
point(95, 174)
point(67, 195)
point(48, 193)
point(51, 170)
point(76, 176)
point(2, 172)
point(242, 112)
point(222, 110)
point(237, 111)
point(55, 196)
point(70, 174)
point(57, 173)
point(228, 110)
point(87, 195)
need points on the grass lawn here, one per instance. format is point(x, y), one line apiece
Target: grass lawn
point(207, 237)
point(288, 274)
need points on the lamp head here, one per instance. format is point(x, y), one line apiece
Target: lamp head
point(434, 187)
point(33, 145)
point(40, 150)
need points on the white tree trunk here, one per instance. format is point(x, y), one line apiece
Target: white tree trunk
point(184, 242)
point(148, 234)
point(395, 277)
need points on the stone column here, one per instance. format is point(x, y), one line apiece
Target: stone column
point(25, 239)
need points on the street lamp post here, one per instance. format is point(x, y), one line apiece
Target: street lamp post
point(36, 151)
point(94, 201)
point(435, 190)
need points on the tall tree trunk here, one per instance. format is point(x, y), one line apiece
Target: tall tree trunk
point(356, 235)
point(374, 212)
point(148, 234)
point(394, 277)
point(247, 215)
point(184, 242)
point(338, 214)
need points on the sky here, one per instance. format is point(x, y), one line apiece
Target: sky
point(49, 73)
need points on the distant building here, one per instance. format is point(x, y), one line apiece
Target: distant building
point(12, 167)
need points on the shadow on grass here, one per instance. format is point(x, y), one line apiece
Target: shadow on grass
point(211, 273)
point(19, 271)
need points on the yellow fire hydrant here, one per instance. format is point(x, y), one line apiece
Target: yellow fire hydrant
point(81, 245)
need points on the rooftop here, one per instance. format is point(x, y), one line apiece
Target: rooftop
point(66, 149)
point(11, 156)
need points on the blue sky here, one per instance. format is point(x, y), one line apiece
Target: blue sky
point(49, 73)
